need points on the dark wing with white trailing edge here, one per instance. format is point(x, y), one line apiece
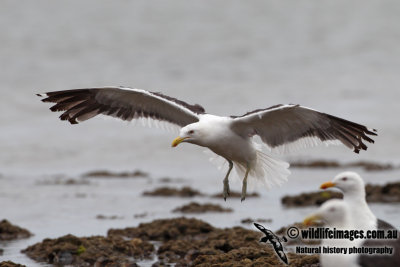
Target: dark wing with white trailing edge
point(123, 103)
point(284, 127)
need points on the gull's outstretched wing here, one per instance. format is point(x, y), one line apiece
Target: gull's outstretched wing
point(287, 127)
point(123, 103)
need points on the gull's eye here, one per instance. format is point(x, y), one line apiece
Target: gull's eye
point(191, 132)
point(332, 209)
point(344, 179)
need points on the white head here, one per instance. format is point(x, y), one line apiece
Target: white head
point(334, 213)
point(191, 133)
point(350, 183)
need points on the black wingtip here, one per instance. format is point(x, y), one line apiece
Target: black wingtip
point(73, 121)
point(371, 131)
point(42, 95)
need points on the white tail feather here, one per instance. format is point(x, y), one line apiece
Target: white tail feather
point(265, 170)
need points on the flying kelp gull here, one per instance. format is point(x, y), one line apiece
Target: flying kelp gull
point(280, 127)
point(353, 188)
point(336, 213)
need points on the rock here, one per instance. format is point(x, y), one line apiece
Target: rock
point(368, 166)
point(61, 181)
point(140, 215)
point(10, 264)
point(298, 241)
point(253, 257)
point(303, 260)
point(11, 232)
point(105, 217)
point(387, 193)
point(90, 251)
point(259, 220)
point(194, 207)
point(316, 164)
point(171, 180)
point(309, 199)
point(173, 192)
point(192, 242)
point(109, 174)
point(182, 242)
point(234, 194)
point(165, 229)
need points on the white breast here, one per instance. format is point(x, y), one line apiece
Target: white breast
point(223, 141)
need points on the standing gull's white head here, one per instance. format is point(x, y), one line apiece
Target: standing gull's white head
point(353, 188)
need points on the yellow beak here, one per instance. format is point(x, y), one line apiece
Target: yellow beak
point(178, 140)
point(327, 185)
point(309, 220)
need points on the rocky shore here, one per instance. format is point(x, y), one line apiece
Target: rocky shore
point(173, 192)
point(165, 242)
point(176, 241)
point(10, 264)
point(9, 231)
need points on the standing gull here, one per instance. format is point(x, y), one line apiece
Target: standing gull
point(353, 188)
point(280, 127)
point(335, 213)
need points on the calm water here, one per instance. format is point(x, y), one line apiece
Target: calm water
point(232, 57)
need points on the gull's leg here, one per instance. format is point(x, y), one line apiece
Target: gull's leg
point(244, 185)
point(226, 181)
